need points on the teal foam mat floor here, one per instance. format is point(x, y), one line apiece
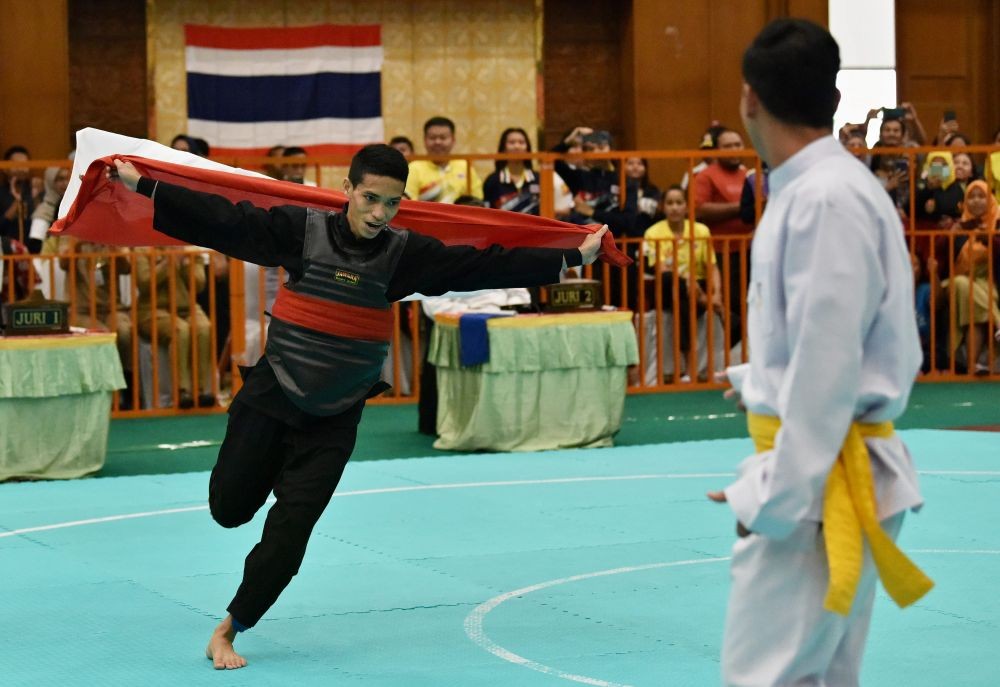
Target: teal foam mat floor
point(599, 567)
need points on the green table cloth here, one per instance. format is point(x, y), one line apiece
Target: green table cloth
point(552, 381)
point(55, 403)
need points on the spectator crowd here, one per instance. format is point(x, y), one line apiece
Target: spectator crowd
point(689, 238)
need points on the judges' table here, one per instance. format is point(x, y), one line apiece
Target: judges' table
point(551, 381)
point(55, 403)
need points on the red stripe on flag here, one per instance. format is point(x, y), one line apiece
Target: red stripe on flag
point(362, 35)
point(345, 149)
point(106, 212)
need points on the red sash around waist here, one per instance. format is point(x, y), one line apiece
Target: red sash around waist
point(329, 317)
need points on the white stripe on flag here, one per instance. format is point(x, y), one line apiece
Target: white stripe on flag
point(294, 61)
point(301, 133)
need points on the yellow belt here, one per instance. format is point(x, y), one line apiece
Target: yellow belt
point(850, 516)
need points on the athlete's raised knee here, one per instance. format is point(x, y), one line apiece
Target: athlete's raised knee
point(229, 516)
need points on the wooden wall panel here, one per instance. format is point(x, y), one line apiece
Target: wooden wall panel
point(654, 72)
point(34, 106)
point(685, 61)
point(688, 63)
point(814, 10)
point(108, 66)
point(947, 58)
point(687, 71)
point(732, 26)
point(582, 66)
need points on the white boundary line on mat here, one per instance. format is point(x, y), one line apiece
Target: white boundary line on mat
point(383, 490)
point(461, 485)
point(474, 621)
point(970, 473)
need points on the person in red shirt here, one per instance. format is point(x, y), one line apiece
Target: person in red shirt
point(717, 192)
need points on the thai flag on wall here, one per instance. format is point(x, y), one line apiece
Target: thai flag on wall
point(318, 87)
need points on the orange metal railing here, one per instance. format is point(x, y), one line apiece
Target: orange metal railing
point(681, 342)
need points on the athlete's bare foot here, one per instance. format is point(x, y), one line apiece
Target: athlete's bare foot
point(220, 647)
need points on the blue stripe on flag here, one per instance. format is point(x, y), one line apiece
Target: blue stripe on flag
point(284, 98)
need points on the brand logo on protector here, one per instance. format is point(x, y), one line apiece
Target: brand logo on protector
point(345, 277)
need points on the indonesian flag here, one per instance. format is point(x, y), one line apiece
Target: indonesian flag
point(104, 211)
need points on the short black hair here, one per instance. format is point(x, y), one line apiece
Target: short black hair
point(195, 146)
point(289, 151)
point(792, 66)
point(401, 139)
point(470, 200)
point(201, 147)
point(439, 121)
point(13, 150)
point(711, 138)
point(379, 160)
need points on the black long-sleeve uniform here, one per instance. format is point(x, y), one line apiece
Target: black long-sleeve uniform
point(270, 443)
point(275, 237)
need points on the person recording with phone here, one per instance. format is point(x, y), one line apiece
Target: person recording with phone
point(940, 193)
point(909, 132)
point(596, 191)
point(941, 188)
point(900, 128)
point(594, 184)
point(894, 175)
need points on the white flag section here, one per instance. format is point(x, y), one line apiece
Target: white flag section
point(325, 58)
point(93, 144)
point(339, 134)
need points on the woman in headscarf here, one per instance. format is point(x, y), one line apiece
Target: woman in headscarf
point(52, 280)
point(56, 180)
point(943, 182)
point(973, 290)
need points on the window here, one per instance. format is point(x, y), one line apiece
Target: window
point(866, 33)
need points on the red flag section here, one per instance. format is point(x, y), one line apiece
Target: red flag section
point(104, 211)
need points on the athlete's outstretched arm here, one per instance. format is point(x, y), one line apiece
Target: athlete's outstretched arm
point(271, 238)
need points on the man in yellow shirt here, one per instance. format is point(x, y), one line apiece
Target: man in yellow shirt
point(439, 179)
point(443, 181)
